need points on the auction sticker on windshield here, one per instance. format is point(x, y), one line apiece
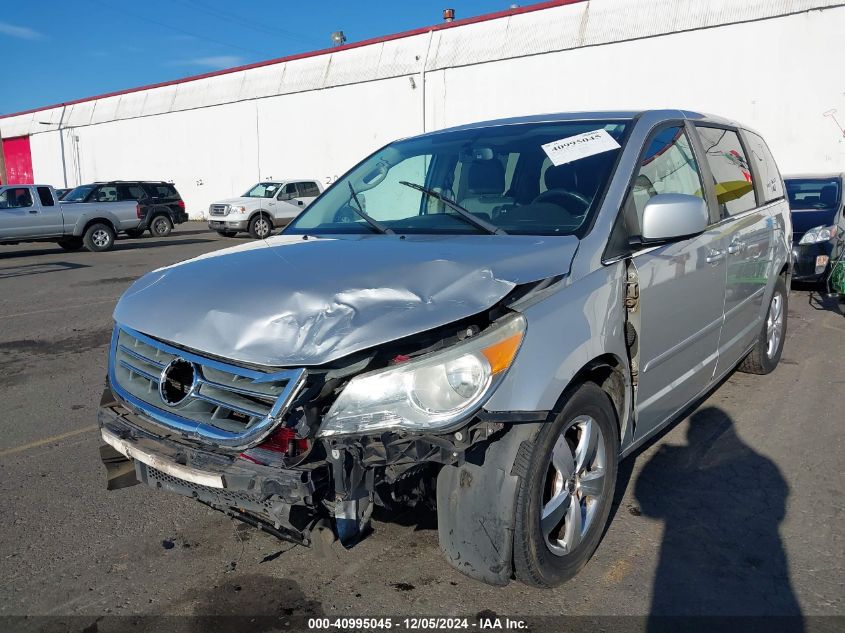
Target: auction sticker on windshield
point(573, 148)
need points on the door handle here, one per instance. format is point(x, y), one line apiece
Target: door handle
point(714, 256)
point(299, 202)
point(736, 247)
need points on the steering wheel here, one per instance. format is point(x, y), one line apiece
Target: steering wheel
point(559, 197)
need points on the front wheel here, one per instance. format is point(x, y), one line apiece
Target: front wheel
point(260, 227)
point(765, 355)
point(566, 490)
point(99, 237)
point(160, 226)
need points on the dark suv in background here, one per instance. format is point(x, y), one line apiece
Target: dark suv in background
point(160, 205)
point(818, 224)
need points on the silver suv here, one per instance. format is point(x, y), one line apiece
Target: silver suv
point(486, 318)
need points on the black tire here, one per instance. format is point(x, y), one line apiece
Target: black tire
point(536, 563)
point(763, 359)
point(260, 227)
point(71, 243)
point(160, 226)
point(135, 233)
point(227, 233)
point(99, 237)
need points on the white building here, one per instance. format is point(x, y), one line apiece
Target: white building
point(775, 65)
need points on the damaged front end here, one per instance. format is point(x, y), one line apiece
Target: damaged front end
point(297, 452)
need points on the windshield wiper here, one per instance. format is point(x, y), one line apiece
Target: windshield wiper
point(378, 226)
point(477, 222)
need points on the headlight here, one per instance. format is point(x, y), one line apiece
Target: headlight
point(818, 234)
point(234, 209)
point(431, 392)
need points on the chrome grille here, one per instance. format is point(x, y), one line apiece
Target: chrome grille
point(218, 209)
point(225, 404)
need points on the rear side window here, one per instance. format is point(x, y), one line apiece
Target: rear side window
point(308, 189)
point(767, 169)
point(46, 197)
point(163, 191)
point(668, 166)
point(130, 192)
point(728, 163)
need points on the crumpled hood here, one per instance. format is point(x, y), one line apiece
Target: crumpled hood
point(289, 301)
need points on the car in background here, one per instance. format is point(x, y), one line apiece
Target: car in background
point(267, 205)
point(161, 205)
point(818, 222)
point(33, 213)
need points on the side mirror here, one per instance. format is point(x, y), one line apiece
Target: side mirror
point(673, 216)
point(285, 196)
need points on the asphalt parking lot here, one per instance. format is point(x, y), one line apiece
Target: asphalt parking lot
point(736, 510)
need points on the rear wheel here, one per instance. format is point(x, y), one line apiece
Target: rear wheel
point(160, 226)
point(260, 227)
point(566, 490)
point(769, 346)
point(99, 237)
point(135, 233)
point(71, 243)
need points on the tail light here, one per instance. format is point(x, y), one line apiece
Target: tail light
point(138, 210)
point(181, 204)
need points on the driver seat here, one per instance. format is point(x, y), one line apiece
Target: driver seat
point(485, 186)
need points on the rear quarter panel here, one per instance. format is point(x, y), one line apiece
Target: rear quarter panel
point(121, 215)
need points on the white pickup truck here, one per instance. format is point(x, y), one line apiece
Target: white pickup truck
point(33, 213)
point(267, 205)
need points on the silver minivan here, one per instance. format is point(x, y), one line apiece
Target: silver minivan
point(483, 319)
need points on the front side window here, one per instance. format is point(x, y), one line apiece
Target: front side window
point(502, 175)
point(668, 166)
point(106, 193)
point(263, 190)
point(79, 194)
point(16, 198)
point(766, 167)
point(812, 193)
point(728, 163)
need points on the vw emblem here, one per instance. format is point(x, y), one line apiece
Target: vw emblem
point(177, 381)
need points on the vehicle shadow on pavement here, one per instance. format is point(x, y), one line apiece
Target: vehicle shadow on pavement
point(822, 302)
point(128, 245)
point(721, 504)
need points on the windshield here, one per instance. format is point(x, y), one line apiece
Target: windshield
point(812, 193)
point(529, 179)
point(79, 193)
point(263, 190)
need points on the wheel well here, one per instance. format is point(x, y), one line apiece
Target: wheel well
point(259, 212)
point(98, 221)
point(608, 373)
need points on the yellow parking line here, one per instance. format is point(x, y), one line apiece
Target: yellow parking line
point(47, 440)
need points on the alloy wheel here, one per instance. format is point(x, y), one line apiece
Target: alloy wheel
point(774, 325)
point(574, 485)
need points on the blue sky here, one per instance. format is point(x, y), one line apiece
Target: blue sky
point(60, 50)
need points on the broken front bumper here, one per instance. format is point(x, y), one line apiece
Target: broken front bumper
point(283, 501)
